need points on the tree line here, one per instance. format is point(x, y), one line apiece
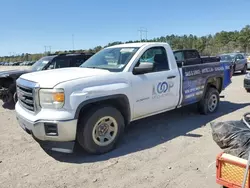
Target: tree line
point(221, 42)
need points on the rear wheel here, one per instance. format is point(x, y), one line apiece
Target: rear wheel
point(210, 102)
point(99, 130)
point(232, 71)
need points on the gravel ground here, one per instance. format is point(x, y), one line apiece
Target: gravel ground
point(174, 149)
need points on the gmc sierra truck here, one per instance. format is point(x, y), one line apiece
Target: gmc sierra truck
point(92, 104)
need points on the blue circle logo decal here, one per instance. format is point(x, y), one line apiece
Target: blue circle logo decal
point(162, 87)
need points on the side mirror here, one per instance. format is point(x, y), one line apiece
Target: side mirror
point(144, 67)
point(51, 67)
point(180, 64)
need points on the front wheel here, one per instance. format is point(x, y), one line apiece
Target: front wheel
point(244, 71)
point(210, 103)
point(99, 130)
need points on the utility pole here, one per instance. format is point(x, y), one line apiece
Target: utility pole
point(73, 42)
point(47, 47)
point(145, 31)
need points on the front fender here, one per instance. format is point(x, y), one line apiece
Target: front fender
point(97, 93)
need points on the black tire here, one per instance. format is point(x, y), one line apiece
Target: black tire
point(11, 95)
point(86, 125)
point(244, 71)
point(203, 105)
point(248, 90)
point(232, 71)
point(15, 98)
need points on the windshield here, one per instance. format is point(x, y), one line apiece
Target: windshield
point(112, 59)
point(40, 64)
point(226, 57)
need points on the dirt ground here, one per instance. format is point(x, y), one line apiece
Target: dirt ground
point(174, 149)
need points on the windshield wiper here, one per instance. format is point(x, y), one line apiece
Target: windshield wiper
point(94, 67)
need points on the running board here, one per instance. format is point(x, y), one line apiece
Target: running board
point(222, 96)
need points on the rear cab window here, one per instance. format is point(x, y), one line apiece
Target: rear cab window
point(192, 54)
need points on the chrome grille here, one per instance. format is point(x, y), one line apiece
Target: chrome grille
point(25, 97)
point(27, 93)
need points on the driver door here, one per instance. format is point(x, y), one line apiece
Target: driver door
point(157, 90)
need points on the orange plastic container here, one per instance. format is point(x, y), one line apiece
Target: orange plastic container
point(230, 171)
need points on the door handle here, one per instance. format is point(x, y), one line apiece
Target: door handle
point(171, 77)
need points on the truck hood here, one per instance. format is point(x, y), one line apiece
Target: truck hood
point(51, 78)
point(13, 73)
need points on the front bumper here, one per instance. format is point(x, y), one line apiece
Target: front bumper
point(61, 132)
point(66, 130)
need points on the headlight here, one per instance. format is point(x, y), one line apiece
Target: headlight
point(248, 75)
point(51, 98)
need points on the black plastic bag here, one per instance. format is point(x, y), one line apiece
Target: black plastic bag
point(233, 137)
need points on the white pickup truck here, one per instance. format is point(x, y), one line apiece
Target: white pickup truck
point(92, 104)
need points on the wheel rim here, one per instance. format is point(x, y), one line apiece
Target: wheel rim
point(212, 103)
point(105, 131)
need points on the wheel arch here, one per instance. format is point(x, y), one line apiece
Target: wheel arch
point(6, 81)
point(119, 101)
point(215, 82)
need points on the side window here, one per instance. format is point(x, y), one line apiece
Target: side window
point(59, 63)
point(158, 56)
point(179, 56)
point(191, 54)
point(76, 62)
